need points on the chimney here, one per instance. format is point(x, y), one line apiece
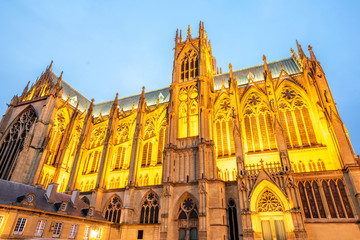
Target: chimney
point(75, 196)
point(50, 192)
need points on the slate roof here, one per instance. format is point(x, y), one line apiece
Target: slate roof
point(127, 102)
point(289, 65)
point(12, 192)
point(69, 91)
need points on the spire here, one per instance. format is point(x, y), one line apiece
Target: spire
point(26, 89)
point(300, 51)
point(50, 66)
point(142, 99)
point(188, 32)
point(230, 71)
point(114, 105)
point(265, 64)
point(180, 36)
point(312, 55)
point(58, 82)
point(232, 80)
point(177, 36)
point(143, 93)
point(201, 29)
point(91, 108)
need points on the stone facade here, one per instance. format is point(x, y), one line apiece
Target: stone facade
point(256, 153)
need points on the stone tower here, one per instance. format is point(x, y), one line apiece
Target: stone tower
point(189, 166)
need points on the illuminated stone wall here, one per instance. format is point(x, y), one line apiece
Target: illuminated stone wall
point(265, 143)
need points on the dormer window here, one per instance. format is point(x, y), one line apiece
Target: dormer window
point(63, 206)
point(30, 198)
point(189, 66)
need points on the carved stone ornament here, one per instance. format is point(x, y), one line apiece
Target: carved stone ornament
point(242, 186)
point(202, 189)
point(268, 202)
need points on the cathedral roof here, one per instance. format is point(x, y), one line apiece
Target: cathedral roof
point(127, 102)
point(242, 75)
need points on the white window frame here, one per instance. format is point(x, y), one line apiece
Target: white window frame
point(20, 226)
point(2, 217)
point(40, 228)
point(73, 231)
point(63, 207)
point(57, 229)
point(99, 235)
point(87, 232)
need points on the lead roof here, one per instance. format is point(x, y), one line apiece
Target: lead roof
point(126, 103)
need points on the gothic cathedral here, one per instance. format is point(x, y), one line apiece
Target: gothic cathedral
point(255, 153)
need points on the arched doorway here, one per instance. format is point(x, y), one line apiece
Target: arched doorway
point(270, 211)
point(188, 220)
point(271, 218)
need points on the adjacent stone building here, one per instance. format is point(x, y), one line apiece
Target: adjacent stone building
point(255, 153)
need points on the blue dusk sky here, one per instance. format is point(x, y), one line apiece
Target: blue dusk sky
point(105, 47)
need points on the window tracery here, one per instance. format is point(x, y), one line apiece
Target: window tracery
point(258, 124)
point(188, 112)
point(296, 119)
point(224, 130)
point(188, 219)
point(269, 202)
point(149, 128)
point(189, 66)
point(150, 209)
point(13, 143)
point(72, 147)
point(233, 225)
point(335, 201)
point(161, 145)
point(58, 129)
point(92, 162)
point(147, 154)
point(112, 211)
point(97, 137)
point(120, 158)
point(122, 133)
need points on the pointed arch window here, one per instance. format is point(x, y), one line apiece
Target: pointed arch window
point(92, 162)
point(233, 224)
point(120, 158)
point(269, 202)
point(112, 183)
point(147, 154)
point(157, 179)
point(122, 133)
point(335, 201)
point(188, 219)
point(97, 137)
point(112, 211)
point(224, 130)
point(296, 119)
point(57, 135)
point(150, 209)
point(258, 125)
point(13, 143)
point(188, 113)
point(161, 144)
point(345, 199)
point(189, 66)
